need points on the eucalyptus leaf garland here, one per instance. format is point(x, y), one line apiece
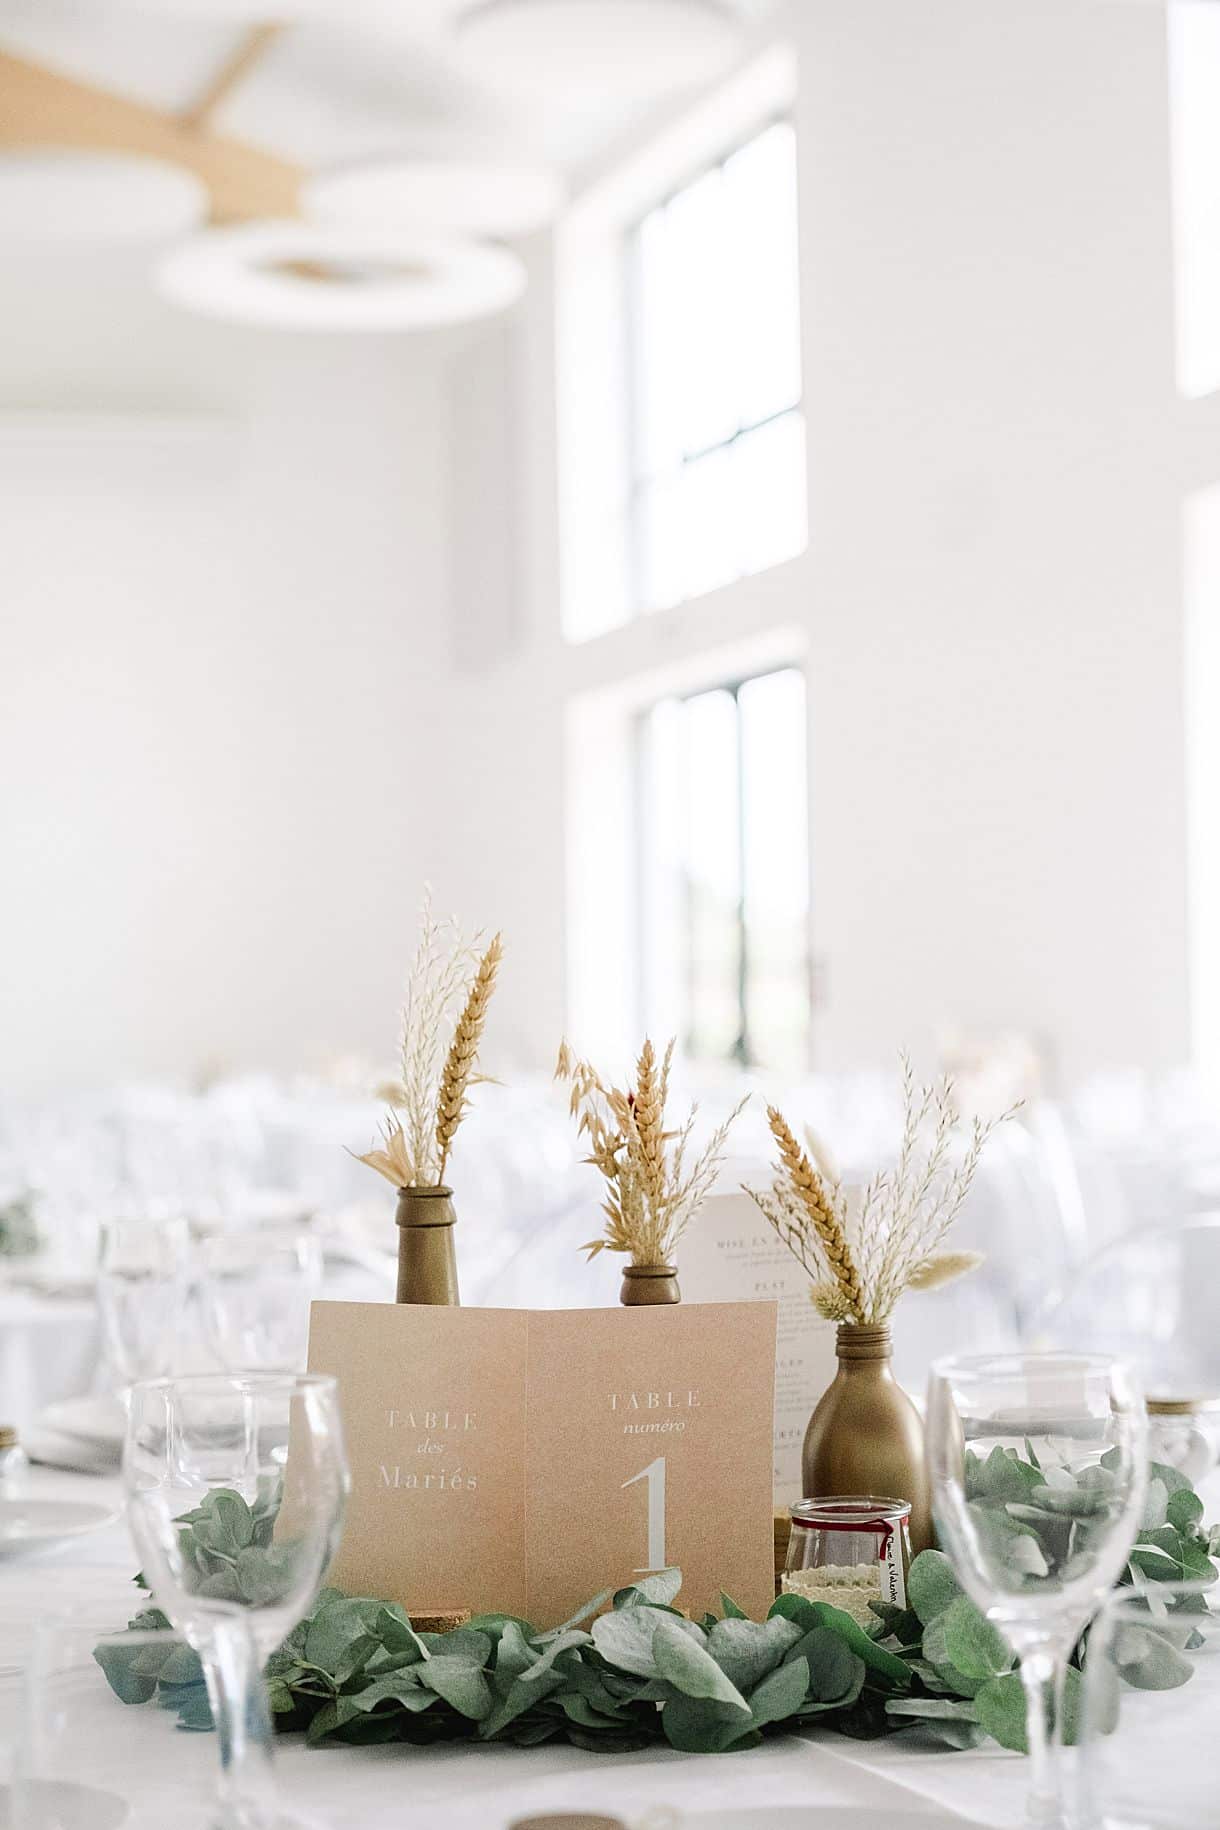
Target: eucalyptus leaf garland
point(357, 1672)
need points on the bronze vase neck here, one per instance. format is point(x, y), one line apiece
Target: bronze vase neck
point(427, 1262)
point(646, 1284)
point(863, 1341)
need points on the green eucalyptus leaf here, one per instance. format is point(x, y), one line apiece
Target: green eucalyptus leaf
point(1003, 1477)
point(931, 1584)
point(1001, 1709)
point(878, 1658)
point(697, 1725)
point(128, 1684)
point(402, 1687)
point(1149, 1659)
point(625, 1638)
point(902, 1624)
point(1172, 1479)
point(656, 1591)
point(1185, 1510)
point(972, 1644)
point(460, 1681)
point(542, 1663)
point(221, 1585)
point(1011, 1542)
point(936, 1653)
point(686, 1664)
point(781, 1694)
point(461, 1642)
point(194, 1710)
point(746, 1650)
point(835, 1675)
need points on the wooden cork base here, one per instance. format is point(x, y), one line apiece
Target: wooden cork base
point(443, 1621)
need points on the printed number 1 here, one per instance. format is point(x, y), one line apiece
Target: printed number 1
point(654, 1474)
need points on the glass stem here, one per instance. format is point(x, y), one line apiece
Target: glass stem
point(246, 1789)
point(1042, 1674)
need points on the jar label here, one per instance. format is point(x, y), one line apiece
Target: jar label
point(893, 1583)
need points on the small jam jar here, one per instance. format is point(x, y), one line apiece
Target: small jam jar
point(849, 1550)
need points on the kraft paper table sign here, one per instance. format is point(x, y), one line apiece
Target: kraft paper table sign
point(734, 1252)
point(518, 1461)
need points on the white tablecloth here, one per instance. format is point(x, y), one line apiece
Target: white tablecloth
point(48, 1350)
point(489, 1788)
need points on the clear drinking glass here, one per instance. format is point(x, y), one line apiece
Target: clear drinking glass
point(1039, 1471)
point(255, 1463)
point(255, 1289)
point(143, 1280)
point(1147, 1760)
point(82, 1761)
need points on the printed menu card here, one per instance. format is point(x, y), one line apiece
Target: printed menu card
point(519, 1461)
point(734, 1251)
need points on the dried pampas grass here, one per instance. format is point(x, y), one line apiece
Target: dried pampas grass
point(859, 1264)
point(451, 980)
point(652, 1194)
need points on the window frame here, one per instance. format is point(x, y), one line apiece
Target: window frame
point(741, 1055)
point(637, 482)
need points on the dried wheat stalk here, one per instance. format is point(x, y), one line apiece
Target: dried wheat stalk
point(827, 1221)
point(651, 1194)
point(451, 1103)
point(859, 1266)
point(428, 1099)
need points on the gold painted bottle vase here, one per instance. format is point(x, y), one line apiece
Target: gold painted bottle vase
point(646, 1284)
point(865, 1435)
point(427, 1262)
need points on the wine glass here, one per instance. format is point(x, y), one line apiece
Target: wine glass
point(1147, 1760)
point(1039, 1470)
point(142, 1284)
point(81, 1760)
point(255, 1290)
point(254, 1463)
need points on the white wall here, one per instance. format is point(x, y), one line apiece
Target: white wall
point(244, 713)
point(216, 638)
point(991, 601)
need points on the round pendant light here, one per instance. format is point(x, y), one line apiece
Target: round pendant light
point(309, 277)
point(625, 47)
point(58, 197)
point(462, 197)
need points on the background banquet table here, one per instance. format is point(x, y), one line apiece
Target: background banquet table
point(1073, 1195)
point(490, 1788)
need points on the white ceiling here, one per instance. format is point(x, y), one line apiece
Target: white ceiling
point(348, 79)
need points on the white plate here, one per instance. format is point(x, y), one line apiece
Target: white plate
point(34, 1524)
point(95, 1419)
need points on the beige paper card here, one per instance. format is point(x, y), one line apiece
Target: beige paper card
point(648, 1442)
point(519, 1461)
point(733, 1253)
point(434, 1416)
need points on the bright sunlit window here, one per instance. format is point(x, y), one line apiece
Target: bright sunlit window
point(718, 438)
point(724, 871)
